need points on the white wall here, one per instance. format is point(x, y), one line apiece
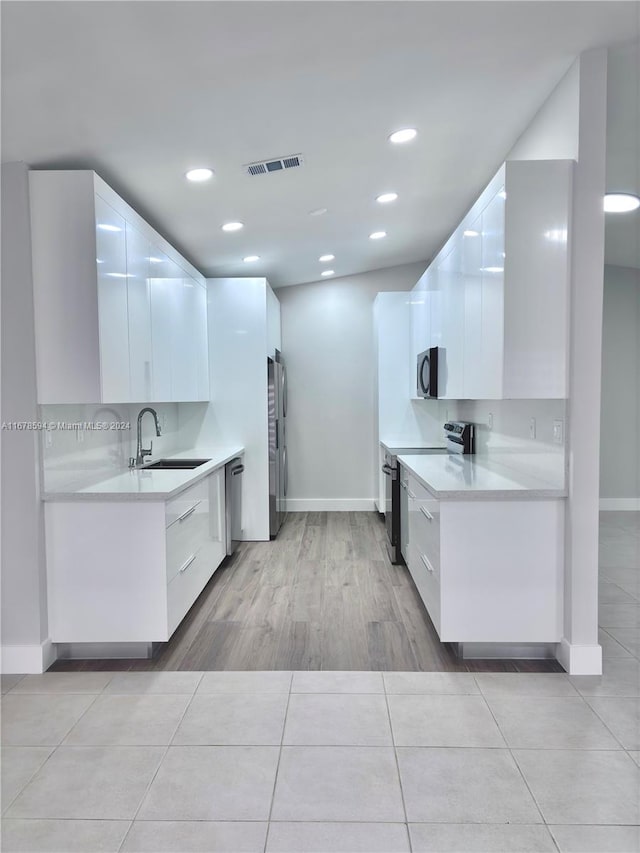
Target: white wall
point(620, 418)
point(74, 458)
point(24, 614)
point(508, 439)
point(327, 342)
point(552, 134)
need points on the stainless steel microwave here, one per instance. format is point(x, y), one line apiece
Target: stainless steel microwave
point(427, 373)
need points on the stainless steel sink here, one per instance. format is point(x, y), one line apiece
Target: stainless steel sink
point(177, 464)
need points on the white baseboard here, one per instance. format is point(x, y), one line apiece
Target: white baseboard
point(30, 659)
point(331, 505)
point(620, 504)
point(580, 659)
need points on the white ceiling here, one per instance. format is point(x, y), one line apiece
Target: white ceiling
point(143, 91)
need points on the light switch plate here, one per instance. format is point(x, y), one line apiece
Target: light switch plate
point(558, 431)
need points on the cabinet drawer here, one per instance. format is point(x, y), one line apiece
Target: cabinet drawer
point(187, 585)
point(185, 537)
point(181, 505)
point(426, 530)
point(417, 490)
point(427, 581)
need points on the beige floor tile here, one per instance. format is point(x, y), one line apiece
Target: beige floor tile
point(335, 719)
point(89, 783)
point(337, 783)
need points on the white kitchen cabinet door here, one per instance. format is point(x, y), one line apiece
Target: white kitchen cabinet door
point(492, 271)
point(451, 290)
point(184, 377)
point(537, 270)
point(160, 286)
point(201, 343)
point(420, 326)
point(472, 283)
point(113, 318)
point(139, 254)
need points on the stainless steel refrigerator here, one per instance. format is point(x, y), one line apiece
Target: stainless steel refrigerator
point(277, 407)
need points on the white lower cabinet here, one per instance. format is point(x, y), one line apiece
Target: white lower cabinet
point(488, 571)
point(129, 571)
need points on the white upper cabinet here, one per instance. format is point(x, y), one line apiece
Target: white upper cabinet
point(498, 291)
point(139, 252)
point(120, 315)
point(113, 322)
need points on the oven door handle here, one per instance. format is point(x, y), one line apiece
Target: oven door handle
point(389, 471)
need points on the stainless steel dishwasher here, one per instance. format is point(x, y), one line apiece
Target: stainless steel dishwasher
point(233, 502)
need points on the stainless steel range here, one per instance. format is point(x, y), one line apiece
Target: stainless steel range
point(392, 503)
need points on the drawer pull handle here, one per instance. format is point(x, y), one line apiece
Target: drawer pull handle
point(183, 568)
point(426, 513)
point(188, 512)
point(410, 493)
point(426, 562)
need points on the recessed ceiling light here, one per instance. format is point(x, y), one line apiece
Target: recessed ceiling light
point(319, 211)
point(328, 272)
point(326, 258)
point(198, 175)
point(404, 135)
point(377, 235)
point(621, 202)
point(470, 233)
point(104, 226)
point(232, 226)
point(385, 198)
point(251, 258)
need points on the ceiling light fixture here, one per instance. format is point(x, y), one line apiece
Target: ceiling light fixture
point(470, 233)
point(385, 198)
point(251, 258)
point(492, 269)
point(104, 226)
point(153, 260)
point(120, 275)
point(232, 226)
point(621, 202)
point(199, 175)
point(328, 272)
point(377, 235)
point(404, 135)
point(319, 211)
point(324, 259)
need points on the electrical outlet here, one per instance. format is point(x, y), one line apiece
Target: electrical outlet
point(490, 420)
point(532, 428)
point(558, 431)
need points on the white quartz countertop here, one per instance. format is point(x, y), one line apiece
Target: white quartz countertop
point(153, 485)
point(465, 478)
point(396, 446)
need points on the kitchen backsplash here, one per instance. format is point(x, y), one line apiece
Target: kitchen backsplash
point(518, 433)
point(74, 457)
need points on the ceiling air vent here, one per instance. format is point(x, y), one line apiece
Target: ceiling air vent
point(263, 167)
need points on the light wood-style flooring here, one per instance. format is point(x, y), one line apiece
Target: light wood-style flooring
point(322, 596)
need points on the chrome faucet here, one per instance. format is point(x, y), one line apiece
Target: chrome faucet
point(141, 452)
